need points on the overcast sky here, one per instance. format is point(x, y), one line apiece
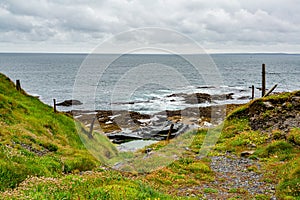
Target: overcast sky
point(216, 25)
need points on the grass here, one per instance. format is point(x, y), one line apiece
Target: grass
point(98, 185)
point(35, 141)
point(210, 190)
point(43, 155)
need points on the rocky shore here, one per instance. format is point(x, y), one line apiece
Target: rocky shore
point(123, 126)
point(198, 110)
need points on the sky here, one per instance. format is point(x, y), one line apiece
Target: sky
point(218, 26)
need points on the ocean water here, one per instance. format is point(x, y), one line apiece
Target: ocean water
point(145, 82)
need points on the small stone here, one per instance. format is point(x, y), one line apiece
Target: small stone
point(268, 104)
point(187, 148)
point(296, 101)
point(86, 172)
point(246, 153)
point(252, 146)
point(207, 124)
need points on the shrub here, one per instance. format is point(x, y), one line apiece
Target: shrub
point(78, 164)
point(294, 136)
point(11, 175)
point(276, 147)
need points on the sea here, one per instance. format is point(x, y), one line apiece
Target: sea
point(147, 83)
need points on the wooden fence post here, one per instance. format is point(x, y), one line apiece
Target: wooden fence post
point(54, 105)
point(92, 127)
point(18, 85)
point(271, 90)
point(170, 131)
point(263, 88)
point(252, 96)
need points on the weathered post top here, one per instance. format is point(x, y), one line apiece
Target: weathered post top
point(263, 87)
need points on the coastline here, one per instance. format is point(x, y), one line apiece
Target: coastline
point(123, 126)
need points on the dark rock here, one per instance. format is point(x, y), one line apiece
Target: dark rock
point(122, 137)
point(177, 95)
point(34, 150)
point(197, 98)
point(162, 132)
point(206, 87)
point(148, 150)
point(128, 102)
point(203, 97)
point(222, 96)
point(69, 103)
point(201, 112)
point(243, 98)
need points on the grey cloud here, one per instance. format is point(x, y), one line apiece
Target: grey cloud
point(26, 8)
point(208, 22)
point(11, 22)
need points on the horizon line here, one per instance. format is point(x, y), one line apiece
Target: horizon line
point(154, 53)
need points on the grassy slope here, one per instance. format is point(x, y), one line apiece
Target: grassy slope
point(41, 152)
point(237, 134)
point(24, 120)
point(277, 151)
point(34, 140)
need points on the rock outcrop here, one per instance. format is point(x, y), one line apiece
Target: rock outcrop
point(69, 103)
point(275, 114)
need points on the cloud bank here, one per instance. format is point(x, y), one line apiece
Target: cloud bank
point(217, 25)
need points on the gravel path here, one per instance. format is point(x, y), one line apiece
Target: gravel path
point(236, 177)
point(233, 172)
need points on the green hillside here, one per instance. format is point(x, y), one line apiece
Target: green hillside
point(35, 141)
point(42, 155)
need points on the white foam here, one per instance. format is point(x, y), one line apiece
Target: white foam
point(144, 120)
point(114, 116)
point(77, 116)
point(159, 100)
